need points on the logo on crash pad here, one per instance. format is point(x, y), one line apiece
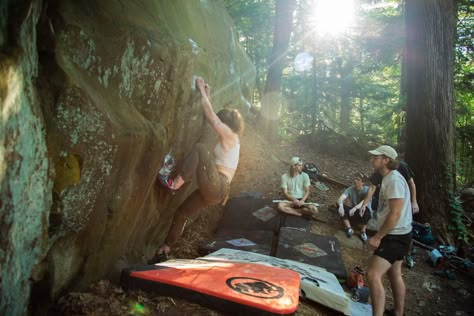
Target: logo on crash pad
point(255, 287)
point(265, 213)
point(311, 250)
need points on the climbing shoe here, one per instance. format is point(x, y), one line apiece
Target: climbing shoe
point(409, 261)
point(349, 232)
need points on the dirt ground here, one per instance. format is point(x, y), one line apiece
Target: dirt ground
point(260, 168)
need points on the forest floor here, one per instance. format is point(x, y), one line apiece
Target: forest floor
point(260, 168)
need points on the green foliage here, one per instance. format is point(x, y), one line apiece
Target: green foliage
point(364, 64)
point(254, 22)
point(464, 89)
point(456, 212)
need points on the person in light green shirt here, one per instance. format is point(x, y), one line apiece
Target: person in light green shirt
point(296, 187)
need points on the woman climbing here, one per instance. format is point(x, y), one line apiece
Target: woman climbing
point(213, 172)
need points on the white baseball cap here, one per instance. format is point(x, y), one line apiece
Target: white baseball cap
point(386, 151)
point(296, 161)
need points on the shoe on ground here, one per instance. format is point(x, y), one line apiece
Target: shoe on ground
point(349, 232)
point(363, 236)
point(165, 181)
point(157, 258)
point(409, 261)
point(389, 312)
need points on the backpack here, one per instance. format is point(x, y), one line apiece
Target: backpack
point(312, 170)
point(356, 278)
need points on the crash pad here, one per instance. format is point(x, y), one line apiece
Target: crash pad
point(259, 241)
point(316, 284)
point(248, 213)
point(295, 222)
point(319, 250)
point(360, 309)
point(232, 287)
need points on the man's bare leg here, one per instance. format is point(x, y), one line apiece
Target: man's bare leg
point(287, 207)
point(309, 210)
point(375, 271)
point(346, 222)
point(398, 286)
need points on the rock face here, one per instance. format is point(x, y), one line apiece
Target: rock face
point(94, 94)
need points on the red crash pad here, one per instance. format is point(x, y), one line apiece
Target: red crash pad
point(234, 288)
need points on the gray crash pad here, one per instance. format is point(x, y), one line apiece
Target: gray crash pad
point(318, 250)
point(248, 213)
point(258, 241)
point(295, 222)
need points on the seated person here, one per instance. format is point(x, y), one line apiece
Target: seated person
point(352, 211)
point(295, 185)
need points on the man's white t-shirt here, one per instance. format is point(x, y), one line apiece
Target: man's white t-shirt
point(295, 186)
point(394, 186)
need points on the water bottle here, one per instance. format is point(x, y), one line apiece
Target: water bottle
point(435, 257)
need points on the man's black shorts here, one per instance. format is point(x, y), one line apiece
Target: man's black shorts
point(394, 247)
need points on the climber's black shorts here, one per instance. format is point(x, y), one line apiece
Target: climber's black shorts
point(394, 247)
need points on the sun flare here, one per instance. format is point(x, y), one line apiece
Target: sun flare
point(333, 16)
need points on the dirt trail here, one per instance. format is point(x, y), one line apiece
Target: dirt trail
point(261, 165)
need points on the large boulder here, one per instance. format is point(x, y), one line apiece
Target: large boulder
point(96, 94)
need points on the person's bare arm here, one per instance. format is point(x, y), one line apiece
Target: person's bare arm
point(414, 203)
point(368, 197)
point(341, 199)
point(221, 129)
point(288, 196)
point(340, 202)
point(306, 194)
point(357, 207)
point(393, 216)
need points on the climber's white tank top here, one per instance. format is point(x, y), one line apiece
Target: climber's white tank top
point(227, 158)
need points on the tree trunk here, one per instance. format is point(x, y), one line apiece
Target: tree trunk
point(271, 99)
point(402, 135)
point(362, 114)
point(345, 114)
point(314, 90)
point(430, 28)
point(345, 70)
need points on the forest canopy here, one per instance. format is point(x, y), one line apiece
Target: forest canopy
point(344, 70)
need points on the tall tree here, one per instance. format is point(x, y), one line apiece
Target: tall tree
point(271, 99)
point(464, 86)
point(345, 71)
point(430, 31)
point(254, 21)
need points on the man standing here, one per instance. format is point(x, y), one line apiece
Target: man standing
point(392, 241)
point(296, 186)
point(376, 180)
